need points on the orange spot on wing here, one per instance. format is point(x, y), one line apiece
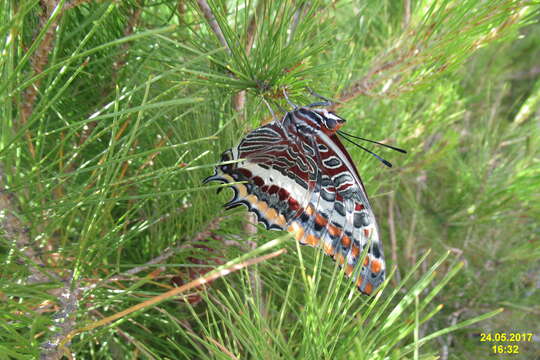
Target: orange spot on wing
point(355, 251)
point(366, 260)
point(299, 234)
point(294, 227)
point(366, 232)
point(333, 230)
point(359, 281)
point(348, 269)
point(339, 258)
point(312, 240)
point(271, 214)
point(328, 249)
point(281, 220)
point(242, 190)
point(368, 289)
point(310, 210)
point(252, 199)
point(319, 219)
point(262, 206)
point(376, 266)
point(346, 241)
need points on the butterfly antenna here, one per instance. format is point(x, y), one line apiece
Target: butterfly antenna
point(387, 163)
point(341, 132)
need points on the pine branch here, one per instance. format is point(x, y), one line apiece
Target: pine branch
point(19, 235)
point(39, 61)
point(64, 321)
point(211, 19)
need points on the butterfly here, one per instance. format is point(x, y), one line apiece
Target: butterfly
point(295, 175)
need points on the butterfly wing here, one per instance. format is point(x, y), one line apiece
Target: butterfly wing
point(272, 176)
point(307, 185)
point(344, 212)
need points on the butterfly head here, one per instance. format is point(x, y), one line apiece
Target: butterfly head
point(226, 156)
point(328, 121)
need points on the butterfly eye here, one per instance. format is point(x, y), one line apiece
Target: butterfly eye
point(330, 120)
point(330, 123)
point(333, 122)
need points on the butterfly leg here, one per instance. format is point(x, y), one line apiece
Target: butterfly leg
point(288, 100)
point(326, 102)
point(320, 103)
point(274, 117)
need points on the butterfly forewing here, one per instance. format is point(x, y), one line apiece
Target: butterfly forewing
point(295, 175)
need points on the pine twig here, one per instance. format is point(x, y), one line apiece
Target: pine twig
point(211, 19)
point(176, 291)
point(18, 234)
point(239, 99)
point(296, 19)
point(212, 226)
point(64, 320)
point(129, 338)
point(389, 72)
point(39, 61)
point(406, 13)
point(181, 9)
point(222, 348)
point(252, 27)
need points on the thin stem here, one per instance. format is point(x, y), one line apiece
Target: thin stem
point(211, 19)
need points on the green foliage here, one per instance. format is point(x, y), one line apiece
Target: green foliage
point(111, 114)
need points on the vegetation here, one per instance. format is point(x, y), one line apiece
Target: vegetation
point(112, 113)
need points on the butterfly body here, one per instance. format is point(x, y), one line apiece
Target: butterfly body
point(296, 175)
